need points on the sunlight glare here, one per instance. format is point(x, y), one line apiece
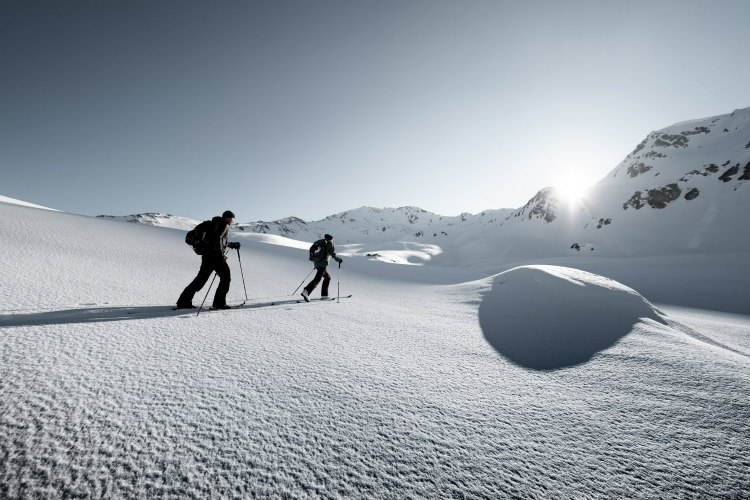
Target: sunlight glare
point(572, 188)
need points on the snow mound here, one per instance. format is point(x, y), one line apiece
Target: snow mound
point(551, 317)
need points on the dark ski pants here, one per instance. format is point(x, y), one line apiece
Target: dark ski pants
point(321, 273)
point(209, 264)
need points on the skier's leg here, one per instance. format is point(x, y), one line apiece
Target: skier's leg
point(186, 298)
point(326, 282)
point(222, 269)
point(320, 271)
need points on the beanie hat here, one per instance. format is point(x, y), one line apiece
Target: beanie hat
point(328, 237)
point(228, 213)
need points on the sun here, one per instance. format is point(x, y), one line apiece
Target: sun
point(572, 187)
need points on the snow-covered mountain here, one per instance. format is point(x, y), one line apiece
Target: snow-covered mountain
point(684, 189)
point(155, 219)
point(377, 224)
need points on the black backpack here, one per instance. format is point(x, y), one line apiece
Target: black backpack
point(317, 249)
point(198, 237)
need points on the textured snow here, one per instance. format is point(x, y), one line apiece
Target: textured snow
point(406, 390)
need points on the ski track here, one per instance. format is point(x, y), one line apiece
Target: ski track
point(361, 400)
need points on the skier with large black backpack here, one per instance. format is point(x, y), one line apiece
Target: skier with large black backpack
point(320, 253)
point(209, 240)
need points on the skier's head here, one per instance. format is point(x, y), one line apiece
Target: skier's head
point(228, 216)
point(329, 237)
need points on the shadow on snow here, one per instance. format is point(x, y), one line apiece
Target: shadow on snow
point(555, 323)
point(121, 313)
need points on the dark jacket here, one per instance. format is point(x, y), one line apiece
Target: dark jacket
point(326, 254)
point(218, 237)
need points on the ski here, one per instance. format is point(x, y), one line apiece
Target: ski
point(238, 306)
point(194, 308)
point(326, 300)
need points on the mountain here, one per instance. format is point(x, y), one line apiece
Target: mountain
point(377, 224)
point(683, 189)
point(155, 219)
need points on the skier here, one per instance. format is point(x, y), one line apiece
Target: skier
point(213, 259)
point(320, 267)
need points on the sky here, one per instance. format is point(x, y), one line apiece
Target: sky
point(310, 108)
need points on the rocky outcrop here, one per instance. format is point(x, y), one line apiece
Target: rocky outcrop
point(692, 194)
point(729, 173)
point(638, 168)
point(671, 140)
point(655, 198)
point(542, 206)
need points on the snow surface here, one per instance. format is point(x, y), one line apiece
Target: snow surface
point(538, 380)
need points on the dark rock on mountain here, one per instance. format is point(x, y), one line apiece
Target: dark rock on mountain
point(635, 201)
point(670, 140)
point(698, 130)
point(656, 198)
point(727, 176)
point(638, 168)
point(541, 206)
point(659, 198)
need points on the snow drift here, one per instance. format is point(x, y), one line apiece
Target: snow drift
point(548, 317)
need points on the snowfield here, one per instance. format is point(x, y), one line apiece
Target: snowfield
point(541, 380)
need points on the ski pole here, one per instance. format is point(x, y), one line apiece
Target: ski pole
point(338, 285)
point(242, 274)
point(204, 298)
point(308, 275)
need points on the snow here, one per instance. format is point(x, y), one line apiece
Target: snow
point(406, 390)
point(479, 357)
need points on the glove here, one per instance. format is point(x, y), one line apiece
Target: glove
point(235, 245)
point(340, 260)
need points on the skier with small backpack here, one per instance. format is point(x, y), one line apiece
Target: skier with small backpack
point(320, 253)
point(209, 240)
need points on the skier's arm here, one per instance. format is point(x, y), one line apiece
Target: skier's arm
point(332, 253)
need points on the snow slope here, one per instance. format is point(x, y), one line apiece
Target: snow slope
point(422, 385)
